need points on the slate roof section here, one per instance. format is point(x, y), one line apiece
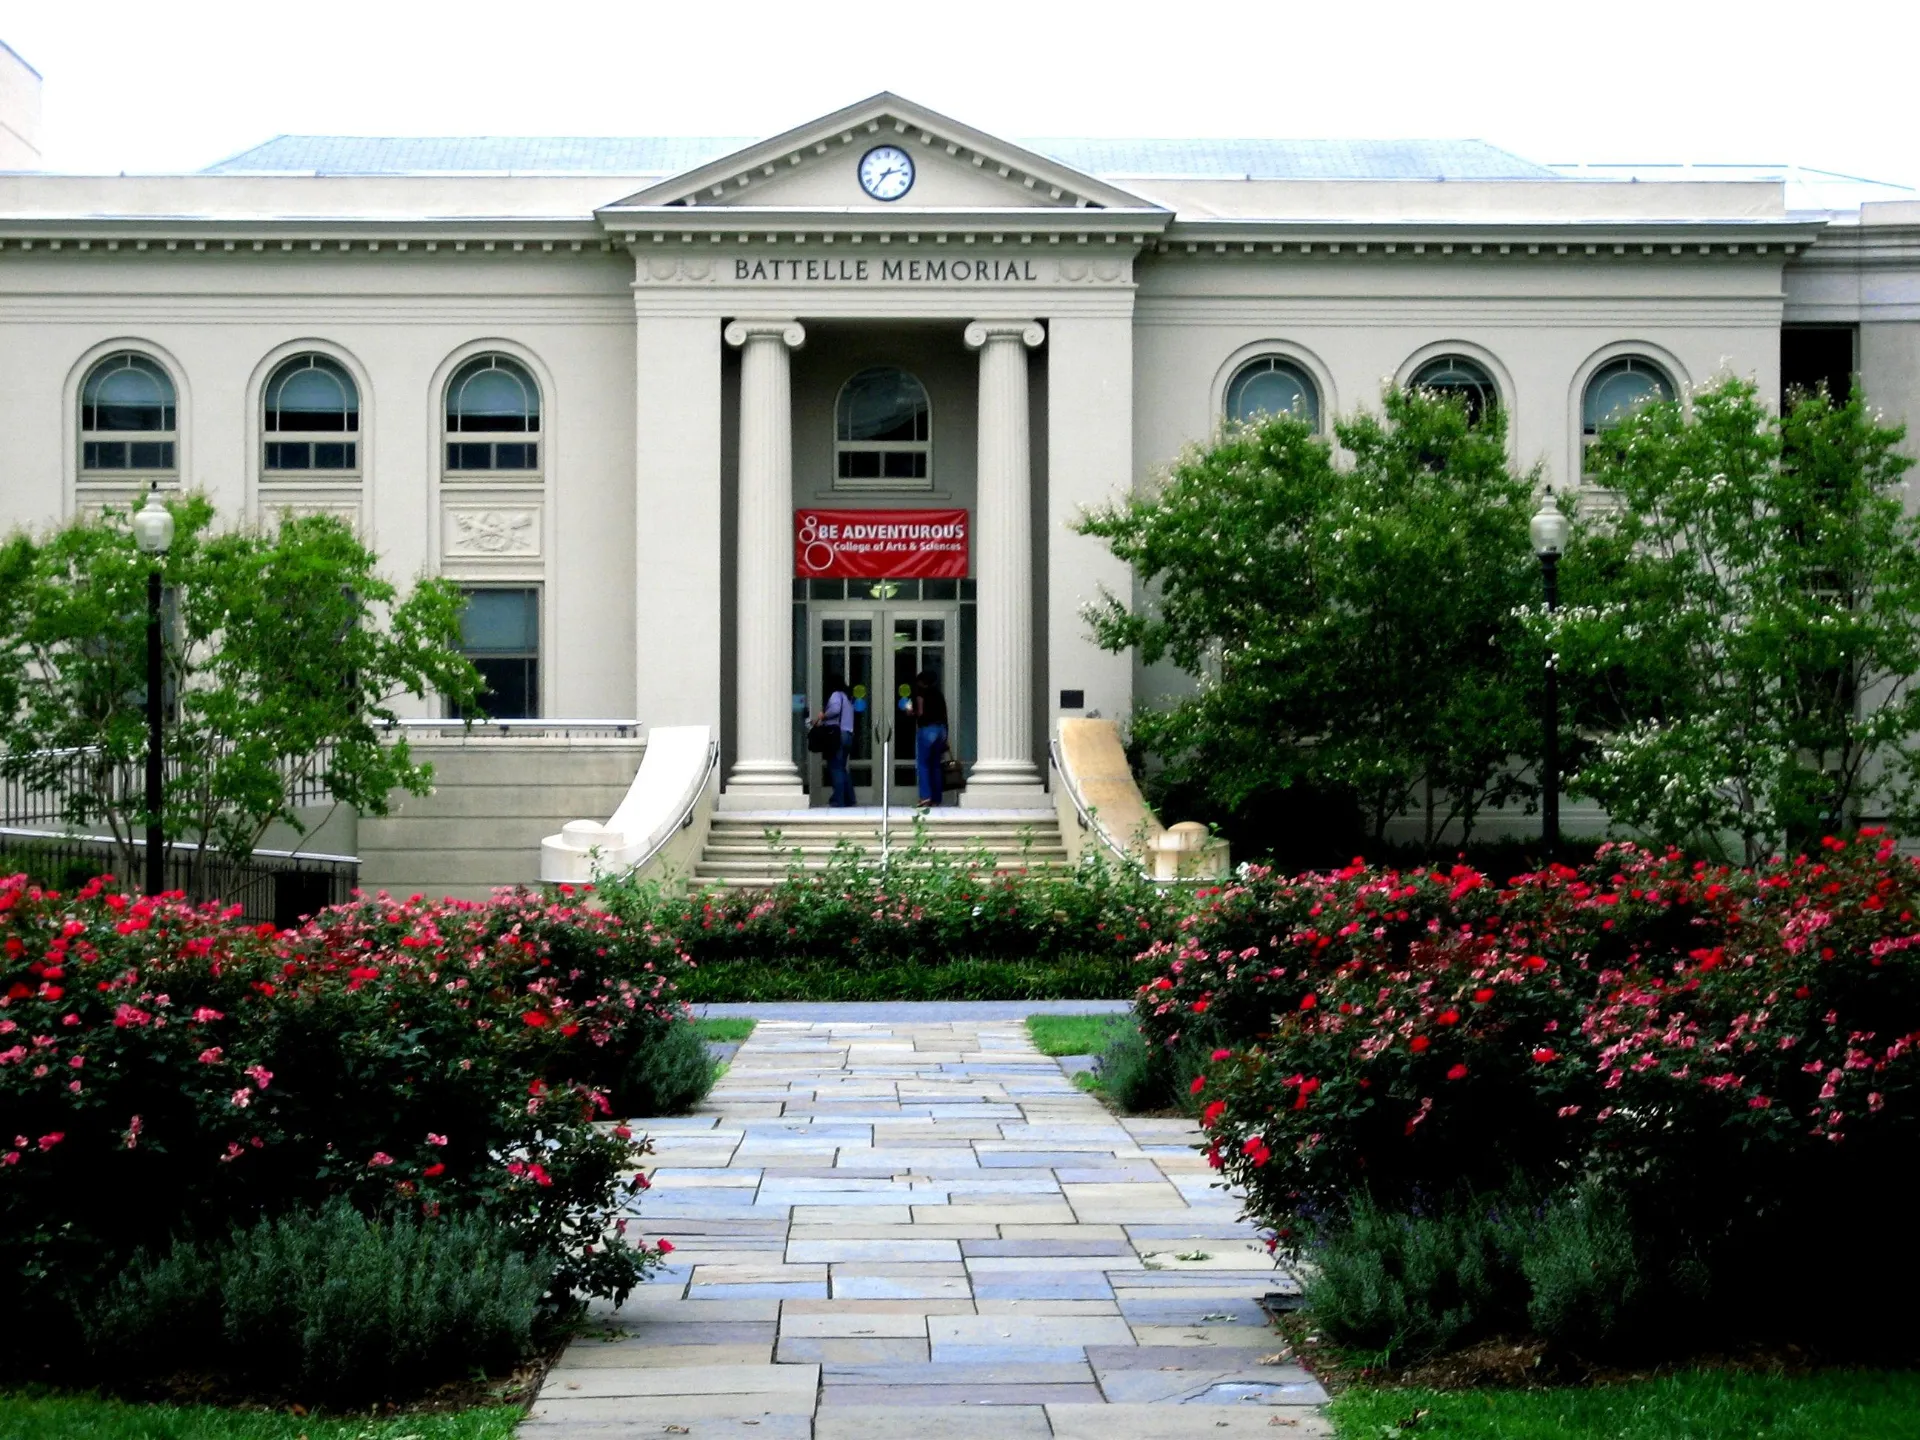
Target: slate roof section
point(1293, 159)
point(474, 155)
point(584, 155)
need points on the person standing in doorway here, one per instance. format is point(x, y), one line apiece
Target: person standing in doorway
point(929, 737)
point(839, 713)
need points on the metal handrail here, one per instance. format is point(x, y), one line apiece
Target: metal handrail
point(624, 729)
point(885, 737)
point(139, 842)
point(1088, 819)
point(686, 815)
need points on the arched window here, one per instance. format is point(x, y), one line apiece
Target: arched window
point(493, 417)
point(1618, 389)
point(883, 432)
point(1459, 377)
point(1271, 386)
point(127, 417)
point(312, 416)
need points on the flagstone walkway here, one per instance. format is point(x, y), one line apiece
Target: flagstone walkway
point(923, 1230)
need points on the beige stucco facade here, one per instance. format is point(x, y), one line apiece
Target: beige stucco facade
point(1145, 295)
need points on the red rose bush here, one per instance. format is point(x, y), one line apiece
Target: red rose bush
point(1727, 1053)
point(167, 1072)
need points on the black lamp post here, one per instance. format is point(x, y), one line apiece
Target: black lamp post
point(1549, 531)
point(153, 533)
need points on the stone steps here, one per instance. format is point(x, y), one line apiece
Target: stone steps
point(747, 849)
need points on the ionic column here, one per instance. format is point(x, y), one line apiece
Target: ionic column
point(763, 770)
point(1004, 774)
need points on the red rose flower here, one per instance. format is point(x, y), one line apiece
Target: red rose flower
point(1199, 1084)
point(1458, 1072)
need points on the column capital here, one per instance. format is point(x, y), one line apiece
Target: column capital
point(790, 333)
point(1028, 332)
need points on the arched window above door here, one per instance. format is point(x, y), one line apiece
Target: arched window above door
point(883, 432)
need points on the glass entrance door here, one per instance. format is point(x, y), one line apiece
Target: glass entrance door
point(922, 642)
point(878, 650)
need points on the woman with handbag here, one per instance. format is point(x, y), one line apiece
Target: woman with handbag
point(836, 744)
point(929, 738)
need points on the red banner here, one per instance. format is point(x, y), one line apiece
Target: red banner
point(880, 544)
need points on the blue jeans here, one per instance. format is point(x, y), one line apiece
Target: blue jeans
point(837, 776)
point(929, 751)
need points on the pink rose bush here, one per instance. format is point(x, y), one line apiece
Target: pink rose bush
point(170, 1070)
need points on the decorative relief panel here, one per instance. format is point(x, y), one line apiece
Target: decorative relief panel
point(273, 509)
point(490, 532)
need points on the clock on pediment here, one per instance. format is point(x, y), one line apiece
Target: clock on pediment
point(886, 172)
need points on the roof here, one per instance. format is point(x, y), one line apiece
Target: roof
point(474, 155)
point(584, 155)
point(1294, 159)
point(1809, 191)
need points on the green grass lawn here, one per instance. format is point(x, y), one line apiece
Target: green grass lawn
point(1074, 1034)
point(725, 1029)
point(87, 1417)
point(1698, 1405)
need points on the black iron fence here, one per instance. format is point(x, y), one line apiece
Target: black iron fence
point(280, 886)
point(63, 774)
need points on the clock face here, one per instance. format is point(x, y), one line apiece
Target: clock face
point(886, 172)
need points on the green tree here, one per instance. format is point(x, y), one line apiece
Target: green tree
point(1351, 624)
point(283, 652)
point(1746, 627)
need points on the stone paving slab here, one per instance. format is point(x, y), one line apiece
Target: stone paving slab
point(911, 1225)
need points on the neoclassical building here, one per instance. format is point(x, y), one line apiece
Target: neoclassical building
point(701, 422)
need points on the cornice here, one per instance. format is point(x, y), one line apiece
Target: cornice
point(1865, 247)
point(1580, 238)
point(568, 235)
point(667, 224)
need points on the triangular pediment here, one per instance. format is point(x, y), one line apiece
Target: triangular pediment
point(816, 167)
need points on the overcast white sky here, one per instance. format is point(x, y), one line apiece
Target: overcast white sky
point(141, 85)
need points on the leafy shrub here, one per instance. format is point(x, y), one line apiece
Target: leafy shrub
point(1726, 1049)
point(670, 1076)
point(441, 1059)
point(349, 1307)
point(925, 904)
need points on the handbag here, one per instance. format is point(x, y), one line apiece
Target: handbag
point(952, 775)
point(824, 738)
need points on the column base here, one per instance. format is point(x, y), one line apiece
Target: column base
point(763, 785)
point(1004, 785)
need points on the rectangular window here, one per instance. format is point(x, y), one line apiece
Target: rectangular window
point(500, 634)
point(312, 454)
point(469, 455)
point(126, 455)
point(1816, 355)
